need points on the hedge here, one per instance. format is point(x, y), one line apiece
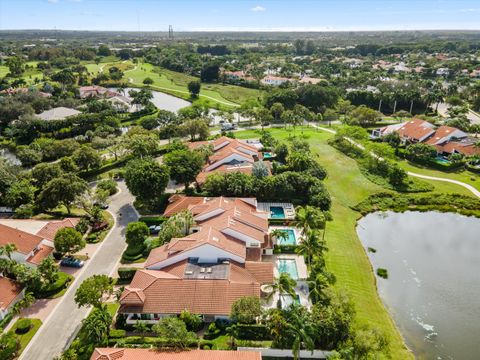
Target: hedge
point(252, 332)
point(126, 274)
point(6, 320)
point(117, 333)
point(62, 282)
point(284, 249)
point(153, 220)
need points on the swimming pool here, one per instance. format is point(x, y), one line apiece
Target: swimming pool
point(288, 266)
point(289, 240)
point(442, 161)
point(267, 155)
point(277, 212)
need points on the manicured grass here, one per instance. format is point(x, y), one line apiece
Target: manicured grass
point(112, 308)
point(58, 288)
point(460, 175)
point(176, 84)
point(25, 338)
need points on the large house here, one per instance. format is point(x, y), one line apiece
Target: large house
point(96, 91)
point(230, 155)
point(446, 139)
point(32, 238)
point(274, 80)
point(154, 354)
point(206, 271)
point(10, 294)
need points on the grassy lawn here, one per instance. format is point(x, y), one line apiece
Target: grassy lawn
point(176, 84)
point(112, 308)
point(25, 338)
point(460, 175)
point(58, 288)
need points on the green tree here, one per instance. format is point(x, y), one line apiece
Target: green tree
point(96, 326)
point(63, 190)
point(364, 116)
point(15, 65)
point(184, 165)
point(94, 290)
point(194, 88)
point(142, 145)
point(87, 158)
point(141, 327)
point(174, 331)
point(277, 110)
point(309, 218)
point(68, 241)
point(420, 152)
point(20, 193)
point(146, 179)
point(136, 233)
point(260, 170)
point(48, 270)
point(311, 245)
point(7, 250)
point(195, 128)
point(246, 310)
point(9, 345)
point(284, 285)
point(43, 173)
point(147, 81)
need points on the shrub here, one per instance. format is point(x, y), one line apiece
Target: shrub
point(193, 321)
point(383, 273)
point(212, 332)
point(126, 274)
point(117, 333)
point(153, 220)
point(109, 186)
point(23, 326)
point(284, 249)
point(206, 345)
point(82, 226)
point(252, 332)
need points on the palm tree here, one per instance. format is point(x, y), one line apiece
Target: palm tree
point(309, 218)
point(141, 327)
point(97, 325)
point(316, 287)
point(284, 285)
point(300, 329)
point(27, 301)
point(7, 250)
point(311, 245)
point(278, 234)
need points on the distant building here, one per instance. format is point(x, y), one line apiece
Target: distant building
point(96, 91)
point(274, 80)
point(13, 91)
point(58, 113)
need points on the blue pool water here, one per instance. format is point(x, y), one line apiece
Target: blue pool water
point(267, 155)
point(289, 240)
point(443, 161)
point(288, 266)
point(277, 212)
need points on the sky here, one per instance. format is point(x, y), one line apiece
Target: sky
point(240, 15)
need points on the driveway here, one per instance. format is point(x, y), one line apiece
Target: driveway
point(61, 326)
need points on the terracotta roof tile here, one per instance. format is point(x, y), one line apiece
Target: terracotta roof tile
point(40, 254)
point(24, 241)
point(416, 129)
point(152, 354)
point(9, 290)
point(50, 229)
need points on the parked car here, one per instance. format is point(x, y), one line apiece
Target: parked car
point(155, 229)
point(229, 126)
point(102, 206)
point(71, 262)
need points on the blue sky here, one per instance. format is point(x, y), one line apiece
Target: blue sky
point(236, 15)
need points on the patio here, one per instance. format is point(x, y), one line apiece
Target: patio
point(277, 210)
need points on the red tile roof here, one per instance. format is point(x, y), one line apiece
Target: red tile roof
point(24, 241)
point(442, 132)
point(50, 229)
point(41, 254)
point(9, 290)
point(416, 129)
point(177, 203)
point(167, 293)
point(465, 148)
point(152, 354)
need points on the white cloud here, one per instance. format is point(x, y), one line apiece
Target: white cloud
point(52, 1)
point(470, 10)
point(258, 8)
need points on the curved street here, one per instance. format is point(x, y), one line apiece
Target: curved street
point(62, 325)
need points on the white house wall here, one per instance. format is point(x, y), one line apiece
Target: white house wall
point(205, 253)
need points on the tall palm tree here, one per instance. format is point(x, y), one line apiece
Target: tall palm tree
point(309, 218)
point(311, 245)
point(27, 301)
point(283, 285)
point(300, 329)
point(316, 287)
point(7, 250)
point(278, 234)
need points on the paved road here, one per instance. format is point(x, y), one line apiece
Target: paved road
point(467, 186)
point(60, 328)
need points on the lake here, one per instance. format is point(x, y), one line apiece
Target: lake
point(433, 285)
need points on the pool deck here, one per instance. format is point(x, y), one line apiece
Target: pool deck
point(288, 208)
point(299, 260)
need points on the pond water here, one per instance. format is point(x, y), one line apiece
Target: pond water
point(433, 285)
point(165, 101)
